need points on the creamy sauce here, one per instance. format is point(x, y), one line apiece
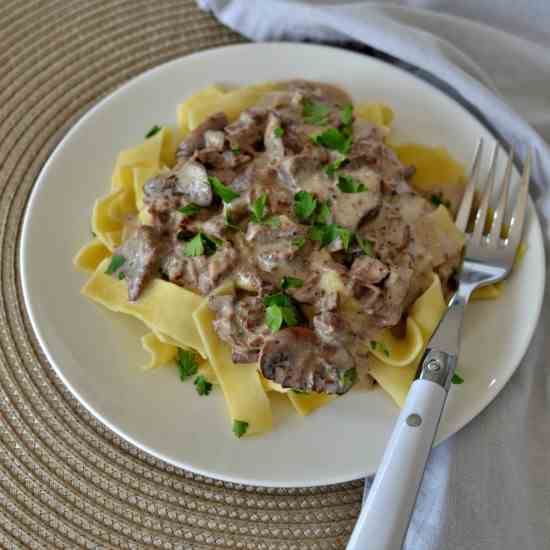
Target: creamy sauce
point(342, 219)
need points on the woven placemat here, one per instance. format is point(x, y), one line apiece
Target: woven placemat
point(66, 481)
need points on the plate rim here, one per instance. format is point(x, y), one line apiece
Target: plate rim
point(42, 176)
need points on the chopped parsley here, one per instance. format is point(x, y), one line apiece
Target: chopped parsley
point(291, 282)
point(278, 132)
point(437, 200)
point(280, 311)
point(236, 150)
point(346, 114)
point(188, 363)
point(228, 220)
point(240, 427)
point(315, 112)
point(116, 262)
point(258, 208)
point(304, 205)
point(347, 377)
point(327, 233)
point(190, 209)
point(366, 245)
point(457, 379)
point(154, 130)
point(299, 242)
point(225, 193)
point(299, 392)
point(347, 184)
point(201, 245)
point(332, 138)
point(381, 346)
point(202, 385)
point(334, 166)
point(121, 275)
point(323, 212)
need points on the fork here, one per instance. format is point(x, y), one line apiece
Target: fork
point(488, 258)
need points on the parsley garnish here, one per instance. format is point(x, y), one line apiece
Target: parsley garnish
point(346, 115)
point(258, 208)
point(225, 193)
point(315, 112)
point(116, 262)
point(327, 233)
point(121, 275)
point(291, 282)
point(154, 130)
point(190, 209)
point(299, 242)
point(366, 245)
point(236, 150)
point(381, 346)
point(437, 200)
point(332, 138)
point(304, 205)
point(280, 310)
point(330, 169)
point(240, 427)
point(347, 184)
point(228, 220)
point(278, 132)
point(347, 377)
point(201, 245)
point(202, 385)
point(299, 392)
point(323, 212)
point(188, 363)
point(457, 379)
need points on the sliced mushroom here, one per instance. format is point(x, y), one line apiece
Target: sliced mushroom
point(214, 139)
point(196, 139)
point(295, 358)
point(193, 183)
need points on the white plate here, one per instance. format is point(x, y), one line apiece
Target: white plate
point(98, 354)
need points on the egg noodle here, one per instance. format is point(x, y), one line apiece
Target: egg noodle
point(179, 319)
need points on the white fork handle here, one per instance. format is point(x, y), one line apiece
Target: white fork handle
point(383, 522)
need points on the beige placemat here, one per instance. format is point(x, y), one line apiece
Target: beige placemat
point(66, 481)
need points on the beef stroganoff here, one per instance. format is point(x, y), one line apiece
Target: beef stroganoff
point(285, 244)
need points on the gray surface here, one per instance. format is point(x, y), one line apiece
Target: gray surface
point(488, 487)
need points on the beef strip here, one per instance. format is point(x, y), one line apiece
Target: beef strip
point(201, 274)
point(141, 253)
point(295, 358)
point(188, 182)
point(240, 321)
point(197, 138)
point(248, 131)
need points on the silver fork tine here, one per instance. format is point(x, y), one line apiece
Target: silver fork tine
point(518, 216)
point(466, 205)
point(500, 211)
point(487, 191)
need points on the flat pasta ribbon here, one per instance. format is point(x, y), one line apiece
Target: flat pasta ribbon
point(164, 307)
point(242, 387)
point(427, 311)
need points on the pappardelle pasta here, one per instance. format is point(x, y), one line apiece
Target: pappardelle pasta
point(279, 241)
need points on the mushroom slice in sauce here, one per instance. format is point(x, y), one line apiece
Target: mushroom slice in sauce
point(295, 358)
point(193, 183)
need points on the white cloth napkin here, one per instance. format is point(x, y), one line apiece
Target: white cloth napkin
point(488, 487)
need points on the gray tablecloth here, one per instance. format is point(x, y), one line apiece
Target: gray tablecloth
point(488, 487)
